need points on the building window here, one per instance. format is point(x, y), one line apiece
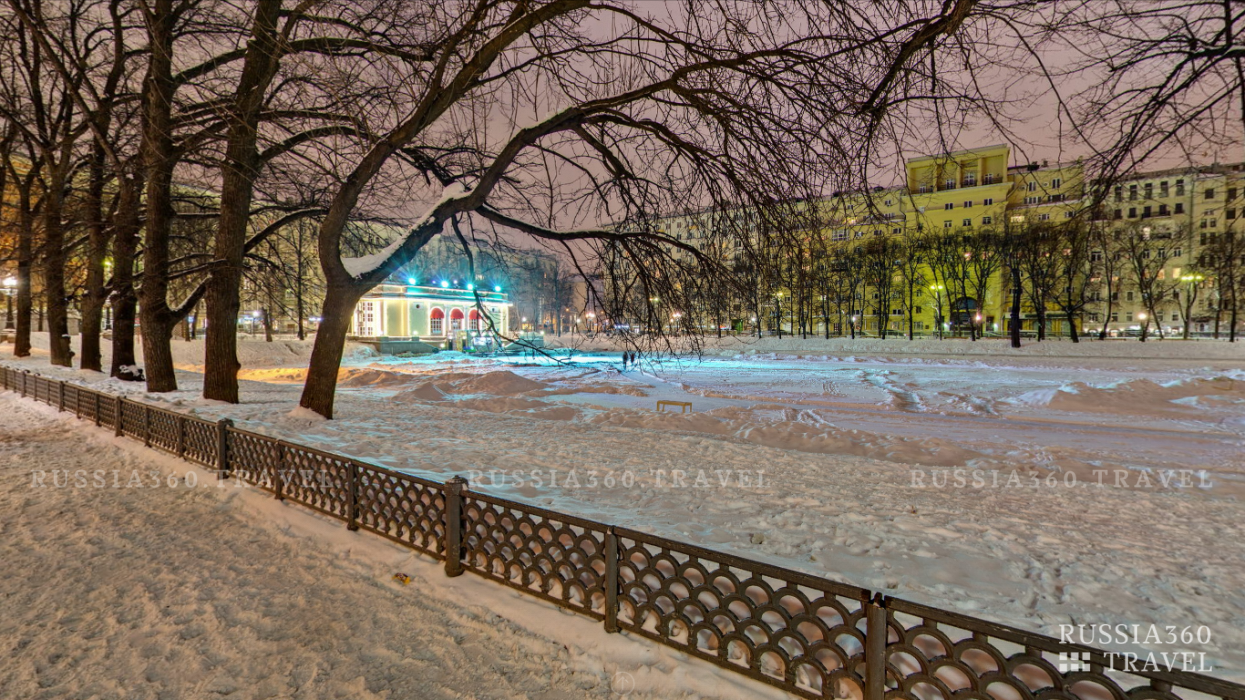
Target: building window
point(1118, 214)
point(1033, 200)
point(1044, 217)
point(1069, 214)
point(1180, 188)
point(949, 205)
point(1229, 214)
point(895, 231)
point(1177, 252)
point(473, 320)
point(1095, 256)
point(1231, 193)
point(1179, 208)
point(987, 202)
point(1115, 317)
point(1132, 193)
point(968, 204)
point(1210, 192)
point(1132, 212)
point(968, 222)
point(839, 234)
point(1119, 193)
point(1145, 212)
point(436, 322)
point(367, 319)
point(986, 220)
point(1163, 210)
point(1018, 219)
point(1163, 188)
point(889, 202)
point(1055, 198)
point(946, 224)
point(1056, 182)
point(456, 319)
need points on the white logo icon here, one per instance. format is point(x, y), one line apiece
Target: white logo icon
point(1073, 662)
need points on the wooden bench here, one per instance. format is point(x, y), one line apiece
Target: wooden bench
point(685, 405)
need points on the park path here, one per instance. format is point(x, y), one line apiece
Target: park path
point(179, 592)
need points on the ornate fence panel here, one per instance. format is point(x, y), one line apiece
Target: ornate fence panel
point(932, 654)
point(164, 427)
point(318, 480)
point(549, 555)
point(403, 508)
point(255, 459)
point(787, 629)
point(108, 411)
point(133, 419)
point(200, 441)
point(810, 636)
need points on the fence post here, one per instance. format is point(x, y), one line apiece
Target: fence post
point(146, 425)
point(116, 416)
point(60, 397)
point(222, 447)
point(611, 580)
point(97, 418)
point(278, 479)
point(454, 525)
point(25, 373)
point(875, 648)
point(352, 496)
point(181, 437)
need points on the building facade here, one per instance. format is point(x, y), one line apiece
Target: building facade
point(442, 315)
point(1180, 214)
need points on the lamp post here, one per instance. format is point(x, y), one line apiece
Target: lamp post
point(1190, 297)
point(10, 287)
point(937, 290)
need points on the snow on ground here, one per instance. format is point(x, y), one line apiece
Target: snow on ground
point(197, 588)
point(1109, 492)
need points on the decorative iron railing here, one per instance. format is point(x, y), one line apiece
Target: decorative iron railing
point(810, 636)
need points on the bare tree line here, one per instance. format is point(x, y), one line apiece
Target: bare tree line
point(164, 152)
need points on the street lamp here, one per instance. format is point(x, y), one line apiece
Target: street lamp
point(937, 290)
point(10, 286)
point(1190, 297)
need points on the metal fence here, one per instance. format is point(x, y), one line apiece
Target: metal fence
point(807, 635)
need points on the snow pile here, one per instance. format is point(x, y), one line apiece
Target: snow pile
point(499, 383)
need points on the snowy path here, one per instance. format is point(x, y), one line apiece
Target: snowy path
point(180, 592)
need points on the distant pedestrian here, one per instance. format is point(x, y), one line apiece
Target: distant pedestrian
point(624, 358)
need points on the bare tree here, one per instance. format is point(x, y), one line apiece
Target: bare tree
point(716, 104)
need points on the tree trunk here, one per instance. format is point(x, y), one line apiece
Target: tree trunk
point(97, 250)
point(240, 170)
point(25, 300)
point(1014, 319)
point(326, 353)
point(54, 275)
point(124, 299)
point(159, 157)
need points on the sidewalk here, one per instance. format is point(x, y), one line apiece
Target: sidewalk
point(115, 590)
